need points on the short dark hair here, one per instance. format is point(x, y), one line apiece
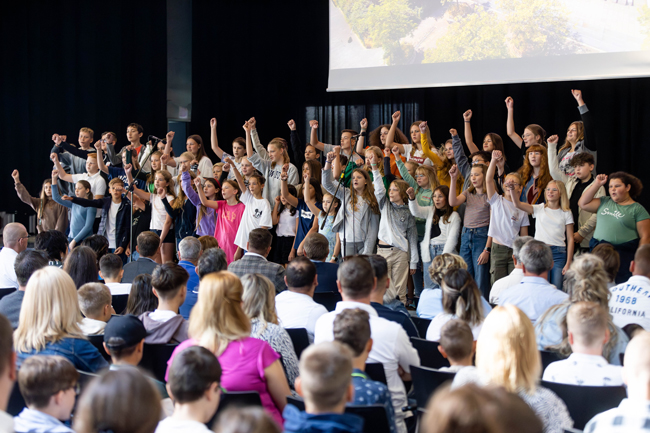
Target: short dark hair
point(300, 273)
point(259, 239)
point(457, 339)
point(212, 260)
point(316, 246)
point(379, 265)
point(582, 158)
point(98, 243)
point(610, 258)
point(40, 377)
point(352, 327)
point(487, 156)
point(110, 265)
point(136, 126)
point(53, 242)
point(6, 343)
point(357, 277)
point(635, 184)
point(148, 243)
point(260, 179)
point(28, 262)
point(192, 372)
point(81, 265)
point(168, 278)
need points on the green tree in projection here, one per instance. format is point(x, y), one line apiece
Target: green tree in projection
point(388, 22)
point(477, 36)
point(644, 20)
point(355, 14)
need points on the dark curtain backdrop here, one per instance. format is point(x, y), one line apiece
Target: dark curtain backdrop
point(69, 64)
point(270, 60)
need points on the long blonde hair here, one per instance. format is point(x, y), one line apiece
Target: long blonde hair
point(564, 197)
point(259, 300)
point(506, 350)
point(50, 310)
point(368, 193)
point(281, 145)
point(218, 319)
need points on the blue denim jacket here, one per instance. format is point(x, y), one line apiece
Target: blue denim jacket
point(83, 355)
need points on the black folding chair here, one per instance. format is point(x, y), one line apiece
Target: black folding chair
point(376, 372)
point(98, 342)
point(16, 401)
point(239, 399)
point(426, 381)
point(7, 291)
point(299, 338)
point(155, 357)
point(585, 402)
point(119, 303)
point(549, 357)
point(375, 418)
point(327, 299)
point(430, 356)
point(421, 324)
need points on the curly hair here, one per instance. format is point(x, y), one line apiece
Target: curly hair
point(635, 184)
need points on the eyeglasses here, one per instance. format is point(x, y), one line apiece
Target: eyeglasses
point(419, 175)
point(478, 162)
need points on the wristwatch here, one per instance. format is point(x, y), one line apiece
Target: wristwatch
point(488, 249)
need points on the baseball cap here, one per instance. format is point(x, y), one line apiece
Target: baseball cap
point(126, 331)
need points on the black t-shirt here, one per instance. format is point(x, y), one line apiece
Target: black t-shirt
point(573, 200)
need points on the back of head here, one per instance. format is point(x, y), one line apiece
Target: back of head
point(119, 401)
point(167, 279)
point(192, 372)
point(259, 241)
point(586, 280)
point(300, 274)
point(356, 277)
point(40, 377)
point(123, 334)
point(587, 321)
point(352, 328)
point(212, 260)
point(208, 242)
point(457, 339)
point(28, 262)
point(110, 265)
point(518, 244)
point(461, 297)
point(642, 261)
point(245, 420)
point(536, 257)
point(93, 297)
point(53, 242)
point(148, 243)
point(636, 364)
point(98, 243)
point(443, 263)
point(379, 266)
point(190, 248)
point(81, 265)
point(12, 233)
point(6, 345)
point(610, 258)
point(325, 375)
point(316, 247)
point(506, 350)
point(141, 297)
point(259, 298)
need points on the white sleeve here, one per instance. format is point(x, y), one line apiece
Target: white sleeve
point(101, 187)
point(266, 220)
point(406, 353)
point(452, 234)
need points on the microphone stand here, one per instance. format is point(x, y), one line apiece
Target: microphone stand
point(343, 205)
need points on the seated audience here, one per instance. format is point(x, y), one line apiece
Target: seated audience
point(27, 262)
point(208, 242)
point(111, 271)
point(295, 306)
point(457, 344)
point(148, 245)
point(121, 401)
point(534, 294)
point(588, 333)
point(95, 304)
point(611, 259)
point(193, 385)
point(81, 265)
point(7, 372)
point(141, 298)
point(165, 325)
point(517, 273)
point(325, 384)
point(317, 250)
point(259, 306)
point(219, 324)
point(189, 252)
point(97, 243)
point(630, 302)
point(254, 261)
point(212, 260)
point(506, 355)
point(55, 244)
point(631, 416)
point(249, 419)
point(49, 320)
point(14, 241)
point(391, 347)
point(352, 328)
point(49, 386)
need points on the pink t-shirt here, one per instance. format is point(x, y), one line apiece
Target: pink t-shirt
point(242, 365)
point(228, 218)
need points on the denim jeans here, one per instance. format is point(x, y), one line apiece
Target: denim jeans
point(559, 261)
point(472, 244)
point(434, 250)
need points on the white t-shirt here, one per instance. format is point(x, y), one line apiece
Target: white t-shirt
point(630, 302)
point(433, 331)
point(110, 224)
point(584, 370)
point(162, 315)
point(119, 288)
point(506, 220)
point(297, 310)
point(158, 212)
point(97, 185)
point(551, 225)
point(173, 425)
point(418, 154)
point(286, 224)
point(256, 215)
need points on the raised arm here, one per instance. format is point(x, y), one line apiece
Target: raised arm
point(257, 144)
point(528, 208)
point(417, 210)
point(337, 168)
point(168, 149)
point(459, 154)
point(390, 138)
point(249, 144)
point(199, 191)
point(284, 187)
point(88, 226)
point(426, 147)
point(587, 122)
point(489, 176)
point(96, 203)
point(275, 218)
point(313, 137)
point(469, 138)
point(310, 202)
point(112, 156)
point(296, 144)
point(238, 176)
point(55, 192)
point(144, 195)
point(402, 169)
point(454, 200)
point(74, 151)
point(377, 179)
point(330, 184)
point(510, 123)
point(59, 168)
point(22, 192)
point(587, 201)
point(214, 142)
point(553, 162)
point(100, 157)
point(361, 141)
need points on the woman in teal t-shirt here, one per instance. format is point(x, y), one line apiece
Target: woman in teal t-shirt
point(620, 220)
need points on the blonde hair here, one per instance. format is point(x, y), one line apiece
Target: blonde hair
point(461, 297)
point(50, 310)
point(472, 189)
point(402, 186)
point(281, 145)
point(218, 319)
point(379, 157)
point(88, 131)
point(430, 173)
point(564, 197)
point(259, 300)
point(443, 263)
point(506, 351)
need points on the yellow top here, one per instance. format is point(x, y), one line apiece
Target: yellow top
point(443, 174)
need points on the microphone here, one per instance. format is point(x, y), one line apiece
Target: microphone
point(155, 138)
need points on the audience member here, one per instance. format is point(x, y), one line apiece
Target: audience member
point(189, 252)
point(95, 304)
point(208, 242)
point(517, 273)
point(212, 260)
point(49, 386)
point(7, 373)
point(97, 243)
point(148, 248)
point(249, 419)
point(457, 344)
point(588, 333)
point(296, 307)
point(141, 298)
point(254, 261)
point(111, 271)
point(611, 259)
point(55, 244)
point(49, 320)
point(630, 301)
point(430, 304)
point(534, 294)
point(27, 262)
point(81, 265)
point(165, 325)
point(316, 248)
point(14, 240)
point(325, 384)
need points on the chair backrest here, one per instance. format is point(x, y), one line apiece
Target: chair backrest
point(155, 357)
point(16, 401)
point(119, 303)
point(98, 342)
point(421, 324)
point(7, 291)
point(299, 338)
point(239, 399)
point(376, 372)
point(549, 357)
point(327, 299)
point(426, 381)
point(430, 356)
point(585, 402)
point(375, 418)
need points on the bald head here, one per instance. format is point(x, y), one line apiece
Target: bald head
point(15, 236)
point(636, 365)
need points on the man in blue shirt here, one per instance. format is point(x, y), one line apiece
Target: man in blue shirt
point(189, 251)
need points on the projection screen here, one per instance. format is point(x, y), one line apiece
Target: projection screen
point(391, 44)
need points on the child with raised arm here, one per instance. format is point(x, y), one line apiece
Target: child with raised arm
point(324, 221)
point(555, 219)
point(506, 222)
point(49, 214)
point(205, 216)
point(300, 153)
point(578, 136)
point(81, 218)
point(398, 237)
point(491, 142)
point(444, 164)
point(238, 149)
point(285, 220)
point(533, 133)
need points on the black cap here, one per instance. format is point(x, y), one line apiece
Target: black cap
point(129, 329)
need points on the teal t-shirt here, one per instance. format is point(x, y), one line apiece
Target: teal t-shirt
point(616, 224)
